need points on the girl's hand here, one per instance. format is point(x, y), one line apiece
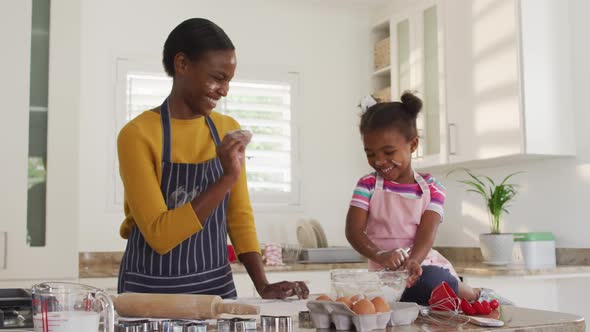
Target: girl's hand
point(231, 153)
point(414, 270)
point(285, 289)
point(392, 259)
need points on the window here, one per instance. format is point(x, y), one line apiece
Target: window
point(263, 106)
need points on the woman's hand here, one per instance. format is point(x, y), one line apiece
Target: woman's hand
point(392, 259)
point(414, 271)
point(284, 289)
point(231, 153)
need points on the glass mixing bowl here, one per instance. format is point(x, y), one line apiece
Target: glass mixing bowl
point(388, 284)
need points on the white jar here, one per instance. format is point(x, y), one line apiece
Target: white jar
point(536, 250)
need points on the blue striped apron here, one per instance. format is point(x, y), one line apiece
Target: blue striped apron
point(199, 264)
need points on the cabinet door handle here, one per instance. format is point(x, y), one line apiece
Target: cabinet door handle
point(3, 250)
point(421, 142)
point(452, 130)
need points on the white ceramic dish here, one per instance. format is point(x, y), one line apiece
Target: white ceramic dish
point(306, 236)
point(320, 234)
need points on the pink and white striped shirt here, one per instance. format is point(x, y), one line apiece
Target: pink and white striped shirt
point(366, 186)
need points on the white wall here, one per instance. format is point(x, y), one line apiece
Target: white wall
point(554, 193)
point(326, 41)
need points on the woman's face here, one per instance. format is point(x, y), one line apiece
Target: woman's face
point(203, 81)
point(390, 154)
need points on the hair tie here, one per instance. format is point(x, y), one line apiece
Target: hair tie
point(366, 102)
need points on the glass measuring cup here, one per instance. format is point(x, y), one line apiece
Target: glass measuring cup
point(71, 307)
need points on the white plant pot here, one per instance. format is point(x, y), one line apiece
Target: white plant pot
point(496, 249)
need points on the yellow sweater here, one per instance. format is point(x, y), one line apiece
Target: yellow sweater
point(140, 155)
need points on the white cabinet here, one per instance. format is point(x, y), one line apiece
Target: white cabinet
point(58, 259)
point(482, 80)
point(415, 63)
point(317, 281)
point(109, 285)
point(494, 77)
point(507, 80)
point(244, 285)
point(563, 293)
point(573, 296)
point(535, 293)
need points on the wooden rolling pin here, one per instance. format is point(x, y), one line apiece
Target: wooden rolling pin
point(178, 306)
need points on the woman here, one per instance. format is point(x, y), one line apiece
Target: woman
point(185, 183)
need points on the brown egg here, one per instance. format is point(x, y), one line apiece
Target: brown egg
point(323, 297)
point(356, 298)
point(363, 307)
point(380, 304)
point(345, 300)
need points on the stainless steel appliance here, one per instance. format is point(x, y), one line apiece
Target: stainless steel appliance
point(15, 309)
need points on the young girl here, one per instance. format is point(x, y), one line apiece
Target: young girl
point(395, 211)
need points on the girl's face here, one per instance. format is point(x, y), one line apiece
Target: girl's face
point(205, 80)
point(390, 154)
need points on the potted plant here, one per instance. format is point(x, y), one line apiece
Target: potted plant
point(496, 247)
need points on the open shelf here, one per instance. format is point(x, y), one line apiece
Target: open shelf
point(383, 72)
point(381, 26)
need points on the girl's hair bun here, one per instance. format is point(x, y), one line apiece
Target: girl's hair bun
point(412, 104)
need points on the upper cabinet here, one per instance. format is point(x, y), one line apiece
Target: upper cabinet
point(408, 56)
point(38, 232)
point(495, 78)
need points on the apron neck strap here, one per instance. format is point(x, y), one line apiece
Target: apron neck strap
point(423, 185)
point(419, 179)
point(167, 131)
point(378, 182)
point(213, 130)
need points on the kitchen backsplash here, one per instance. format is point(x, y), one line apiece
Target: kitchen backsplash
point(106, 264)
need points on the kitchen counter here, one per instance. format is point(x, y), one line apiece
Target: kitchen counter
point(106, 265)
point(483, 270)
point(110, 269)
point(299, 267)
point(515, 318)
point(463, 269)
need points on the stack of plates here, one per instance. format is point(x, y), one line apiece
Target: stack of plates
point(310, 234)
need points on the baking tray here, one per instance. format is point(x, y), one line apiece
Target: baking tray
point(330, 255)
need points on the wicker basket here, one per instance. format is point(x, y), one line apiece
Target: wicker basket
point(382, 58)
point(383, 95)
